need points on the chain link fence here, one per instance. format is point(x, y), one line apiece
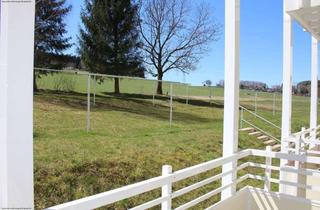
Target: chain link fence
point(98, 88)
point(96, 92)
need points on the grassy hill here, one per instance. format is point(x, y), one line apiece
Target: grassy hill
point(131, 138)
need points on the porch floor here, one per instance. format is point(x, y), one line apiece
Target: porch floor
point(250, 198)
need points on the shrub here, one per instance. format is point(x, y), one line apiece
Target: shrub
point(63, 82)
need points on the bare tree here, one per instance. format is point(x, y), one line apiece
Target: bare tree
point(175, 35)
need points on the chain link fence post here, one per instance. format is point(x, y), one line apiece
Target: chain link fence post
point(171, 93)
point(88, 102)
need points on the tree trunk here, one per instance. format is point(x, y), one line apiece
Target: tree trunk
point(35, 87)
point(116, 86)
point(159, 87)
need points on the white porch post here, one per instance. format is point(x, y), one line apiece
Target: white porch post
point(16, 104)
point(314, 87)
point(287, 87)
point(231, 92)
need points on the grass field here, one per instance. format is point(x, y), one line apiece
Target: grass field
point(131, 138)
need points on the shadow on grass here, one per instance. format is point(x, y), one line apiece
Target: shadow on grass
point(130, 103)
point(193, 102)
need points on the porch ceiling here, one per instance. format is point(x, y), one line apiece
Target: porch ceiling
point(307, 13)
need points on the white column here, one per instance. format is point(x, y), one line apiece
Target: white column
point(287, 86)
point(16, 104)
point(231, 91)
point(314, 87)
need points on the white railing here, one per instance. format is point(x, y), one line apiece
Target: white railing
point(308, 132)
point(168, 178)
point(305, 141)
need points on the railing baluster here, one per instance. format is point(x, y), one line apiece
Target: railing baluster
point(303, 136)
point(297, 149)
point(268, 170)
point(166, 189)
point(301, 192)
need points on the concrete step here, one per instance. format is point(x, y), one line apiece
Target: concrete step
point(276, 147)
point(263, 137)
point(270, 142)
point(247, 129)
point(256, 133)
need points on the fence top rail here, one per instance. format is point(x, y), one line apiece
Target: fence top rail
point(106, 75)
point(105, 198)
point(310, 140)
point(260, 117)
point(291, 156)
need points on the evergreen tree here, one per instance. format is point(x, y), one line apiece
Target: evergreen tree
point(109, 40)
point(50, 31)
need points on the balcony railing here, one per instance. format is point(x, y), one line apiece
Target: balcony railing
point(168, 178)
point(305, 142)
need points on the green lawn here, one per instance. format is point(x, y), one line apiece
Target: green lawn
point(131, 138)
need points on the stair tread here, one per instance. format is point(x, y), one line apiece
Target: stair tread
point(263, 137)
point(270, 141)
point(246, 129)
point(276, 147)
point(254, 133)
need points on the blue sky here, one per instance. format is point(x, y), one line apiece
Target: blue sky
point(260, 45)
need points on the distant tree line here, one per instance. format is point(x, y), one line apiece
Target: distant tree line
point(126, 37)
point(302, 88)
point(249, 85)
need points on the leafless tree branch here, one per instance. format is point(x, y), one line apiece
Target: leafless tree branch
point(175, 35)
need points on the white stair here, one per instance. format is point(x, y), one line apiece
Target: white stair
point(267, 140)
point(276, 147)
point(247, 129)
point(255, 133)
point(270, 142)
point(263, 137)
